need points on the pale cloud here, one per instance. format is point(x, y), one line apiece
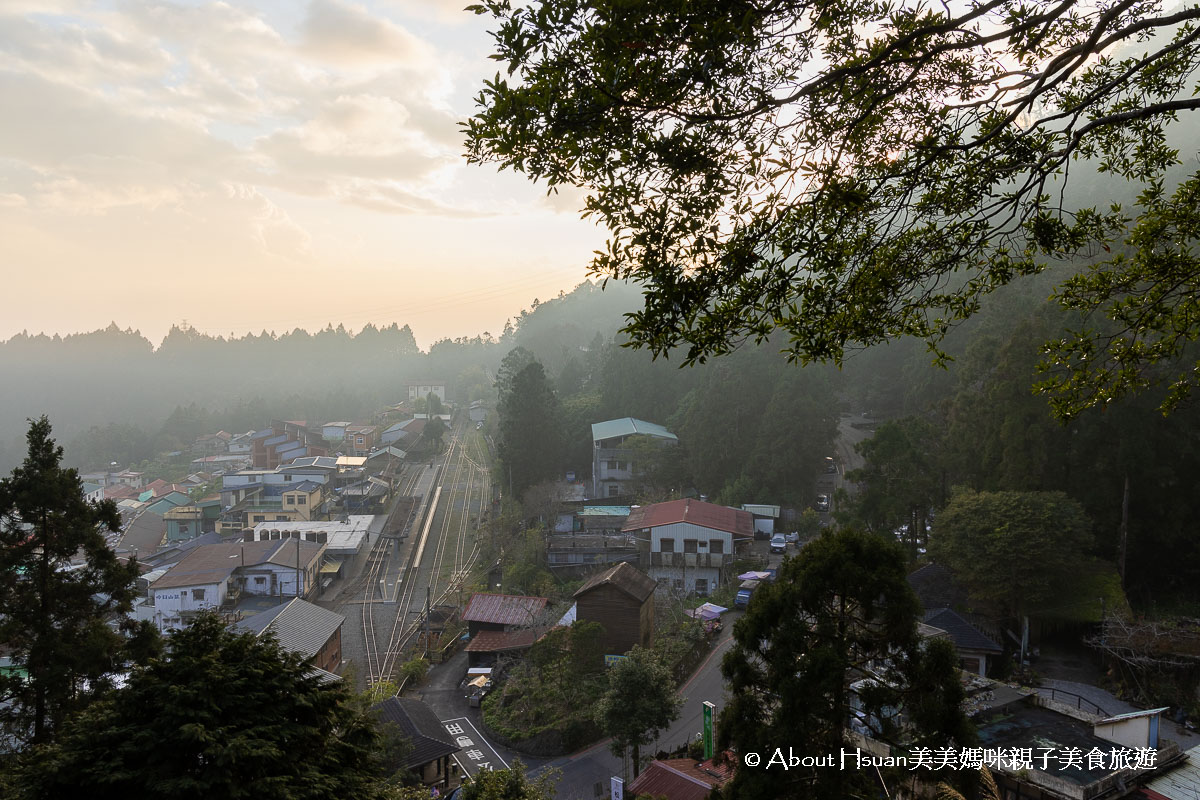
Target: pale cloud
point(250, 141)
point(347, 34)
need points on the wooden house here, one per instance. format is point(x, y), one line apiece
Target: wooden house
point(621, 598)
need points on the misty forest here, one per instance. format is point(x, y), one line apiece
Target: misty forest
point(751, 425)
point(875, 422)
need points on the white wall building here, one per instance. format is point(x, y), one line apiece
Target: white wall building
point(212, 576)
point(688, 544)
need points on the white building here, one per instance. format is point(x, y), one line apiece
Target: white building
point(214, 575)
point(612, 464)
point(687, 545)
point(426, 387)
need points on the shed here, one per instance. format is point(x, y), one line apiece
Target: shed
point(501, 612)
point(621, 598)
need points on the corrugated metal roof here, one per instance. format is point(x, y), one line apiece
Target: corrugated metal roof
point(1181, 783)
point(299, 625)
point(1134, 714)
point(706, 515)
point(679, 779)
point(503, 609)
point(499, 641)
point(603, 511)
point(628, 426)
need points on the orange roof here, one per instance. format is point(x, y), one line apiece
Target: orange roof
point(706, 515)
point(496, 641)
point(680, 779)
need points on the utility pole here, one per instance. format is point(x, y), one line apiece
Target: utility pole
point(427, 611)
point(1124, 530)
point(297, 566)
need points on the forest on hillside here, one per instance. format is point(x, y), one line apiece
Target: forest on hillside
point(752, 427)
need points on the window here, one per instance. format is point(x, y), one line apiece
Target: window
point(260, 518)
point(689, 545)
point(301, 500)
point(666, 545)
point(614, 491)
point(197, 594)
point(289, 498)
point(287, 477)
point(281, 518)
point(260, 581)
point(701, 585)
point(716, 547)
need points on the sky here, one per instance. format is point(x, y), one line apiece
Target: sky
point(249, 165)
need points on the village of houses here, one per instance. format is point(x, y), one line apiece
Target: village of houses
point(273, 524)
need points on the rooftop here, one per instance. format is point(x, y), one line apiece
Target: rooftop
point(499, 641)
point(965, 635)
point(215, 562)
point(503, 609)
point(1030, 726)
point(340, 537)
point(628, 426)
point(706, 515)
point(629, 579)
point(680, 779)
point(603, 511)
point(300, 626)
point(419, 724)
point(1181, 783)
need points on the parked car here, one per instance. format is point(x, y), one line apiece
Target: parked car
point(830, 464)
point(822, 503)
point(778, 543)
point(745, 592)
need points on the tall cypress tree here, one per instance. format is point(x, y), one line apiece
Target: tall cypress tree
point(531, 442)
point(59, 585)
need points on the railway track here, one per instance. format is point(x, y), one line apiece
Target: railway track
point(368, 582)
point(447, 542)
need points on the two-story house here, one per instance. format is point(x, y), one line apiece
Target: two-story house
point(687, 545)
point(613, 467)
point(426, 387)
point(212, 576)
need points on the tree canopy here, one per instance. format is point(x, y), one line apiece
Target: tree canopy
point(530, 444)
point(222, 714)
point(840, 610)
point(1017, 551)
point(54, 618)
point(856, 172)
point(639, 703)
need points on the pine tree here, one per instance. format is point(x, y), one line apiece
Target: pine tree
point(59, 585)
point(222, 714)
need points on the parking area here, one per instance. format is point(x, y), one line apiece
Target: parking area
point(475, 754)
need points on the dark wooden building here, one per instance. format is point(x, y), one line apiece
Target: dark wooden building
point(430, 758)
point(621, 599)
point(502, 612)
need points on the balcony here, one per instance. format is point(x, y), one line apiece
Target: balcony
point(688, 560)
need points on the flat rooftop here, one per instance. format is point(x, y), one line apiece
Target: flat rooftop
point(1023, 725)
point(342, 538)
